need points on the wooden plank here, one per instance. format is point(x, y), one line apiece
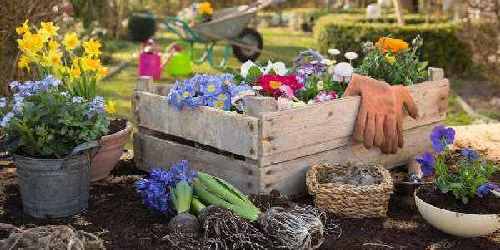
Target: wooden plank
point(289, 177)
point(155, 152)
point(294, 133)
point(228, 131)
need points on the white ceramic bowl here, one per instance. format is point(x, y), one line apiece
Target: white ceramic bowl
point(458, 224)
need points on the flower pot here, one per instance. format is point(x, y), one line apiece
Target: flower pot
point(52, 188)
point(458, 224)
point(109, 153)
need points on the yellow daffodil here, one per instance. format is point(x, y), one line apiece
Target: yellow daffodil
point(90, 64)
point(390, 59)
point(52, 59)
point(31, 43)
point(23, 28)
point(71, 41)
point(23, 62)
point(205, 8)
point(53, 45)
point(110, 107)
point(48, 28)
point(102, 72)
point(75, 72)
point(92, 47)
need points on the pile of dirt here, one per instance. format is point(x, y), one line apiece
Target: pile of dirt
point(117, 216)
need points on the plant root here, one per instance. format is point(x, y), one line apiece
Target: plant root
point(57, 237)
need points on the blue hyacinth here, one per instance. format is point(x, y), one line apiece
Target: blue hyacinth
point(155, 189)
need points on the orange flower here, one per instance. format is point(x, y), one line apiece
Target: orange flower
point(391, 44)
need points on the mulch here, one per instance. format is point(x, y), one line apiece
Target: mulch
point(117, 216)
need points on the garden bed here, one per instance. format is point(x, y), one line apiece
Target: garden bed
point(117, 216)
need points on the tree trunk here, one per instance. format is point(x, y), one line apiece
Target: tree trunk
point(399, 12)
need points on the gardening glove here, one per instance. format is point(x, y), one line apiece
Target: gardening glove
point(380, 116)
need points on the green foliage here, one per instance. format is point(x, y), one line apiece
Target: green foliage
point(442, 47)
point(141, 26)
point(317, 83)
point(52, 125)
point(402, 67)
point(463, 182)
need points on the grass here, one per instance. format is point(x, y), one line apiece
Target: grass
point(280, 45)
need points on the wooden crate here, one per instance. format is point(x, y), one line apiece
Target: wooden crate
point(271, 150)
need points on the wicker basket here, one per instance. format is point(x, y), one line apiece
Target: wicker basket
point(347, 200)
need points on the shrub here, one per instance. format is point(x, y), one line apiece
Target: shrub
point(441, 48)
point(141, 26)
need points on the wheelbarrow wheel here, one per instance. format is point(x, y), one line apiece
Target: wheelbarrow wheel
point(251, 38)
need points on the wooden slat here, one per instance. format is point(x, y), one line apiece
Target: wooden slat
point(294, 133)
point(226, 131)
point(153, 152)
point(289, 176)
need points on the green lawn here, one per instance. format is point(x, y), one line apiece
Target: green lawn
point(279, 44)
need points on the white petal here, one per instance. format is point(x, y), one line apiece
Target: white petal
point(343, 69)
point(245, 67)
point(333, 52)
point(351, 55)
point(280, 68)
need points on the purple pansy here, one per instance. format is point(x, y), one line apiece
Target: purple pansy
point(427, 163)
point(469, 154)
point(441, 137)
point(486, 188)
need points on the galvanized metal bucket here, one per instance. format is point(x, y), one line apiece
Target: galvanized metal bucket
point(53, 188)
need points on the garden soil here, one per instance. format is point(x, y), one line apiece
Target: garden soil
point(117, 216)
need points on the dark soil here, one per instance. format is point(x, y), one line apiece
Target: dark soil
point(117, 125)
point(117, 216)
point(486, 205)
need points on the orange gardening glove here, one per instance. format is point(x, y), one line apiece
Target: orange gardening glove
point(380, 116)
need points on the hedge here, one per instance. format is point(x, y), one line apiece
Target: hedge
point(442, 47)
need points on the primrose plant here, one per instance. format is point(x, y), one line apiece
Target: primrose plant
point(467, 177)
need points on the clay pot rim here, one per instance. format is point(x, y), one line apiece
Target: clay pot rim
point(443, 210)
point(126, 130)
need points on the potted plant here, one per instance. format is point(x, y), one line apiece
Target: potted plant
point(50, 135)
point(462, 200)
point(77, 63)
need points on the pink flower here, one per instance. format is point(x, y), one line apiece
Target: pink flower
point(273, 84)
point(324, 96)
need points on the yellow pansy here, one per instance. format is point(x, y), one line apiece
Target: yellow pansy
point(90, 64)
point(71, 41)
point(75, 72)
point(390, 59)
point(48, 28)
point(110, 107)
point(23, 62)
point(23, 29)
point(92, 47)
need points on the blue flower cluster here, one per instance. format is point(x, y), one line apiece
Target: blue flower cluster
point(205, 90)
point(155, 189)
point(96, 106)
point(309, 63)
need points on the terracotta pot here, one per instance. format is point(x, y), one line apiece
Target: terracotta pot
point(458, 224)
point(110, 151)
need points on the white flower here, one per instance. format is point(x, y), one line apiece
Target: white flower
point(342, 72)
point(3, 102)
point(327, 62)
point(351, 55)
point(6, 119)
point(334, 52)
point(257, 88)
point(77, 99)
point(245, 67)
point(278, 67)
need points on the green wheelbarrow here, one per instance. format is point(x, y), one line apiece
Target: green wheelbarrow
point(229, 25)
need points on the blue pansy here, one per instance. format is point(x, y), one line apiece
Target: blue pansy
point(427, 163)
point(486, 188)
point(441, 137)
point(469, 154)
